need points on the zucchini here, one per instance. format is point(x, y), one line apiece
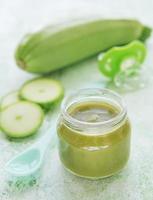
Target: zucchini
point(10, 98)
point(21, 119)
point(43, 91)
point(51, 49)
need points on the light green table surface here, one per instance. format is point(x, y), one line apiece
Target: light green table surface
point(18, 17)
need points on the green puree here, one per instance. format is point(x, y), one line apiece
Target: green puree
point(94, 151)
point(92, 112)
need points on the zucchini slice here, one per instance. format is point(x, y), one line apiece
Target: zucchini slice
point(21, 119)
point(10, 98)
point(44, 91)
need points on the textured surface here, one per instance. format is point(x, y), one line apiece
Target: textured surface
point(135, 182)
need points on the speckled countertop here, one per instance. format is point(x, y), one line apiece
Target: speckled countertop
point(18, 17)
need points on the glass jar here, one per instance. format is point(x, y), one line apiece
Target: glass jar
point(94, 149)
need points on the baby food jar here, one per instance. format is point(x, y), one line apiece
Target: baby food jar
point(94, 133)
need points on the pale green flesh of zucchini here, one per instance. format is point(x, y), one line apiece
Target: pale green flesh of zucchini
point(9, 99)
point(42, 91)
point(21, 119)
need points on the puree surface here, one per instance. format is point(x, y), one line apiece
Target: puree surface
point(93, 112)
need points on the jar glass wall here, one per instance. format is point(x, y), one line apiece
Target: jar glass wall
point(94, 133)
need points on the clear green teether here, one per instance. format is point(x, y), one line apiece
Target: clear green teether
point(120, 59)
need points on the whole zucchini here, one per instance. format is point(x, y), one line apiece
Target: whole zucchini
point(53, 48)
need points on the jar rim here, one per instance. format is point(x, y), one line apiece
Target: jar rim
point(78, 123)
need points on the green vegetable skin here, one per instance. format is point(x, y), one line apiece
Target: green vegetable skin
point(51, 49)
point(94, 156)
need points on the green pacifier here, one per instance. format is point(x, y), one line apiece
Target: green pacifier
point(122, 64)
